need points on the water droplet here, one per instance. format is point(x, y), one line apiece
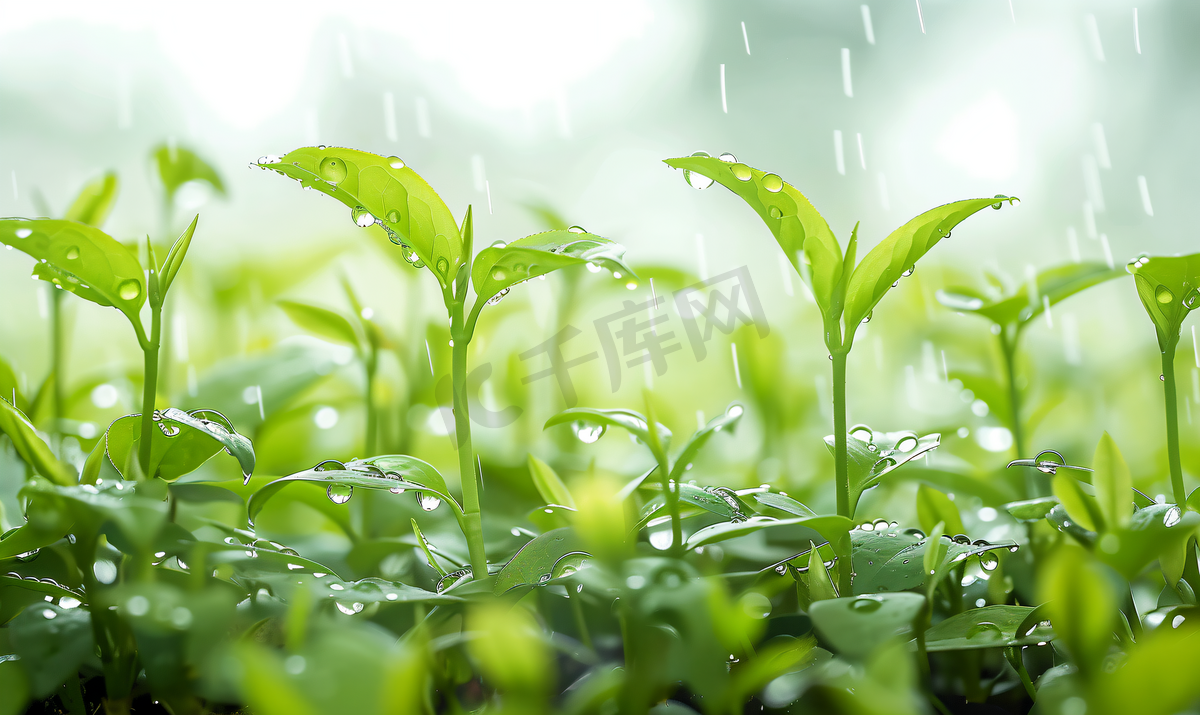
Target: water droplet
point(293, 567)
point(577, 229)
point(866, 605)
point(428, 502)
point(772, 183)
point(727, 158)
point(339, 493)
point(395, 162)
point(410, 255)
point(24, 232)
point(1192, 299)
point(961, 539)
point(1163, 294)
point(1172, 517)
point(911, 269)
point(498, 297)
point(861, 432)
point(498, 274)
point(130, 289)
point(998, 204)
point(988, 561)
point(72, 253)
point(594, 268)
point(781, 569)
point(906, 444)
point(443, 266)
point(775, 212)
point(734, 411)
point(396, 490)
point(393, 216)
point(985, 631)
point(362, 217)
point(588, 432)
point(741, 172)
point(631, 285)
point(697, 181)
point(332, 169)
point(868, 318)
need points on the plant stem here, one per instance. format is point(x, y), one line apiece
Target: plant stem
point(372, 426)
point(149, 388)
point(56, 355)
point(844, 507)
point(472, 519)
point(1172, 411)
point(1035, 483)
point(580, 622)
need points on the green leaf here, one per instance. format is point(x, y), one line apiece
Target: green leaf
point(395, 197)
point(95, 201)
point(1018, 308)
point(1079, 506)
point(696, 442)
point(179, 446)
point(898, 253)
point(831, 528)
point(174, 261)
point(1156, 677)
point(416, 472)
point(935, 550)
point(933, 506)
point(590, 424)
point(783, 503)
point(988, 627)
point(891, 560)
point(321, 322)
point(855, 625)
point(14, 683)
point(348, 593)
point(1169, 287)
point(537, 560)
point(799, 229)
point(178, 165)
point(1113, 483)
point(1159, 531)
point(820, 586)
point(548, 483)
point(872, 455)
point(53, 642)
point(137, 510)
point(31, 536)
point(81, 259)
point(31, 448)
point(1031, 509)
point(1082, 605)
point(500, 266)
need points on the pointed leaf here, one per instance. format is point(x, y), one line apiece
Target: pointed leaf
point(1169, 287)
point(52, 642)
point(535, 562)
point(171, 457)
point(935, 549)
point(1113, 483)
point(889, 560)
point(820, 585)
point(988, 627)
point(178, 165)
point(548, 483)
point(872, 455)
point(830, 528)
point(395, 197)
point(934, 506)
point(1031, 509)
point(1079, 506)
point(321, 322)
point(31, 448)
point(801, 231)
point(728, 419)
point(783, 503)
point(216, 427)
point(95, 201)
point(1057, 284)
point(632, 422)
point(1082, 605)
point(855, 625)
point(500, 266)
point(175, 256)
point(899, 252)
point(85, 261)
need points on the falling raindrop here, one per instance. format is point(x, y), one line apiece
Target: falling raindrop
point(339, 493)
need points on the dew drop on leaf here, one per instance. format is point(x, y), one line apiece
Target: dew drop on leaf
point(866, 605)
point(130, 289)
point(775, 212)
point(726, 157)
point(741, 172)
point(1172, 517)
point(428, 502)
point(443, 266)
point(362, 217)
point(332, 169)
point(393, 216)
point(577, 229)
point(1163, 294)
point(1192, 299)
point(985, 630)
point(339, 493)
point(395, 162)
point(988, 561)
point(772, 183)
point(24, 232)
point(72, 253)
point(587, 432)
point(697, 181)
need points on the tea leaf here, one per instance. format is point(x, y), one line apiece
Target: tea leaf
point(535, 563)
point(31, 448)
point(1114, 485)
point(416, 472)
point(1018, 308)
point(393, 196)
point(175, 256)
point(81, 259)
point(1031, 509)
point(830, 528)
point(548, 483)
point(988, 627)
point(321, 322)
point(1081, 605)
point(872, 455)
point(899, 252)
point(178, 165)
point(632, 422)
point(890, 560)
point(820, 586)
point(170, 457)
point(1169, 287)
point(501, 266)
point(1079, 506)
point(1159, 531)
point(934, 506)
point(95, 201)
point(51, 646)
point(783, 503)
point(855, 625)
point(799, 229)
point(728, 419)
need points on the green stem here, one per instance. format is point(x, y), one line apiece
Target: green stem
point(580, 622)
point(149, 388)
point(1015, 659)
point(1172, 410)
point(472, 519)
point(671, 496)
point(841, 472)
point(1035, 483)
point(56, 356)
point(372, 426)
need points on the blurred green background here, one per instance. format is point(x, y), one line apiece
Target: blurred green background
point(540, 112)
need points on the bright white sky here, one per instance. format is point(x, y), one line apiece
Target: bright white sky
point(504, 55)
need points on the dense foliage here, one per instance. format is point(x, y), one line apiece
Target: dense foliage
point(147, 572)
